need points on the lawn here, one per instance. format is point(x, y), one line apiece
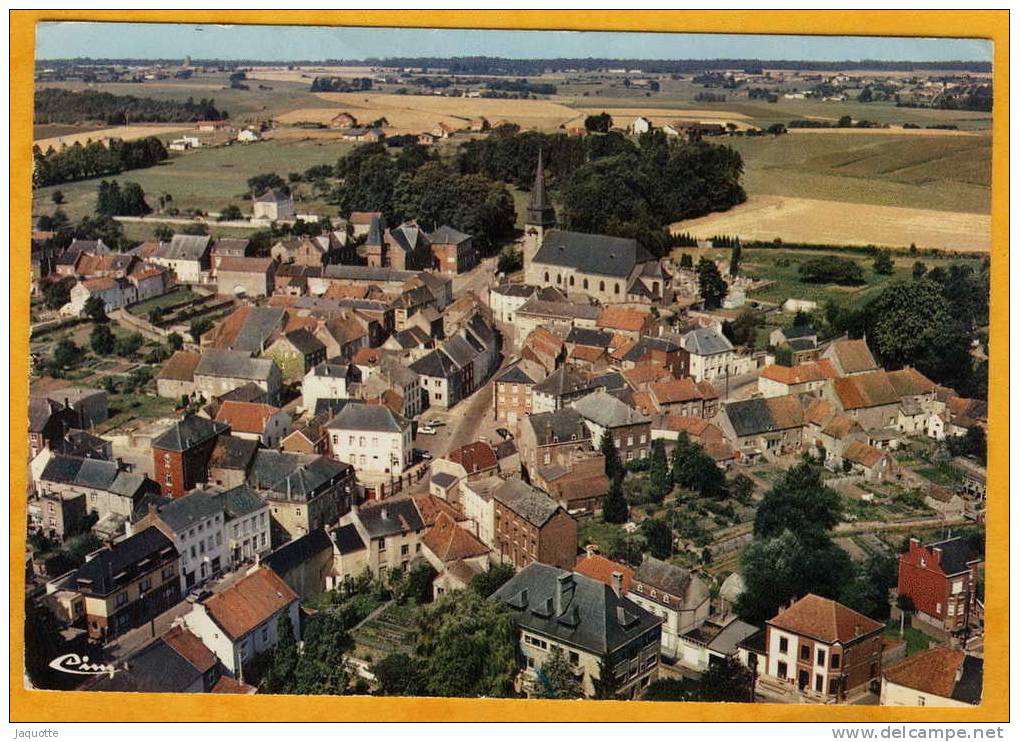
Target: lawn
point(596, 531)
point(177, 297)
point(916, 641)
point(135, 406)
point(209, 178)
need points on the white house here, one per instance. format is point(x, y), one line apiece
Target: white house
point(711, 354)
point(324, 381)
point(273, 205)
point(242, 622)
point(640, 125)
point(371, 438)
point(115, 293)
point(676, 595)
point(247, 135)
point(939, 676)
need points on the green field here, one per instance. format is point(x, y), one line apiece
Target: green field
point(925, 172)
point(209, 179)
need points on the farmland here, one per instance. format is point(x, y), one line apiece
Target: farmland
point(126, 133)
point(844, 223)
point(209, 178)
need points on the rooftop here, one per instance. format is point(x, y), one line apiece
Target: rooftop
point(250, 602)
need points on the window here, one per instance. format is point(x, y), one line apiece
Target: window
point(835, 660)
point(819, 683)
point(145, 584)
point(120, 600)
point(558, 278)
point(404, 550)
point(616, 290)
point(938, 609)
point(571, 280)
point(783, 644)
point(956, 587)
point(804, 652)
point(546, 276)
point(601, 285)
point(574, 658)
point(265, 633)
point(921, 701)
point(820, 657)
point(585, 283)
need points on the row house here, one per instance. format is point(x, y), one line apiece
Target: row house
point(684, 397)
point(243, 276)
point(256, 421)
point(680, 598)
point(561, 388)
point(763, 427)
point(903, 400)
point(219, 372)
point(938, 677)
point(181, 454)
point(605, 414)
point(513, 390)
point(552, 437)
point(296, 352)
point(850, 357)
point(188, 256)
point(73, 486)
point(371, 438)
point(456, 554)
point(809, 378)
point(544, 347)
point(505, 299)
point(941, 581)
point(531, 527)
point(452, 251)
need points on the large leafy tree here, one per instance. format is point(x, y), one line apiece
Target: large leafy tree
point(467, 646)
point(799, 502)
point(398, 674)
point(486, 583)
point(728, 680)
point(659, 475)
point(101, 340)
point(556, 678)
point(658, 537)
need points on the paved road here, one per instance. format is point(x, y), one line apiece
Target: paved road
point(740, 387)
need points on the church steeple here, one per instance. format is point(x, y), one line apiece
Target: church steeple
point(539, 210)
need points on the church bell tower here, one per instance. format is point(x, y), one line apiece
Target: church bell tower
point(539, 219)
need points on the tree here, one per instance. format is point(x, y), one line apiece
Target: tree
point(614, 468)
point(259, 184)
point(57, 293)
point(57, 197)
point(128, 345)
point(486, 583)
point(742, 488)
point(95, 309)
point(883, 264)
point(919, 269)
point(199, 326)
point(728, 680)
point(735, 258)
point(102, 340)
point(418, 586)
point(743, 329)
point(556, 678)
point(659, 476)
point(66, 354)
point(831, 269)
point(685, 261)
point(231, 213)
point(614, 507)
point(974, 444)
point(867, 590)
point(281, 675)
point(467, 646)
point(510, 260)
point(162, 233)
point(799, 502)
point(658, 537)
point(712, 286)
point(398, 675)
point(598, 123)
point(606, 685)
point(682, 454)
point(671, 689)
point(175, 341)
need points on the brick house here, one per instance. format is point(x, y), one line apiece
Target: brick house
point(548, 437)
point(531, 527)
point(513, 388)
point(180, 455)
point(941, 580)
point(823, 648)
point(684, 397)
point(452, 250)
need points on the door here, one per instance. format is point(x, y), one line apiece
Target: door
point(804, 679)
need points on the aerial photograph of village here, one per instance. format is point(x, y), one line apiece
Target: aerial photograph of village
point(516, 364)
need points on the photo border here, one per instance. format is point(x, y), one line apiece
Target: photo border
point(57, 706)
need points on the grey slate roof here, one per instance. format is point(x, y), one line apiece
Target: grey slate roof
point(258, 327)
point(295, 477)
point(93, 473)
point(348, 540)
point(530, 503)
point(273, 195)
point(672, 579)
point(592, 338)
point(705, 341)
point(955, 555)
point(185, 247)
point(40, 410)
point(233, 364)
point(591, 617)
point(295, 553)
point(970, 687)
point(521, 372)
point(596, 254)
point(518, 290)
point(564, 380)
point(646, 344)
point(368, 417)
point(446, 235)
point(607, 411)
point(444, 480)
point(232, 452)
point(189, 431)
point(125, 557)
point(409, 237)
point(155, 668)
point(389, 517)
point(436, 364)
point(239, 501)
point(558, 426)
point(305, 342)
point(461, 351)
point(183, 512)
point(799, 332)
point(610, 381)
point(367, 273)
point(802, 344)
point(559, 309)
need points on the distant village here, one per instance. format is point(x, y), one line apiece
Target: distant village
point(400, 424)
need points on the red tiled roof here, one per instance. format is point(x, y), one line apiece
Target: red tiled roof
point(474, 457)
point(853, 355)
point(237, 264)
point(599, 568)
point(861, 453)
point(180, 366)
point(367, 356)
point(790, 375)
point(587, 353)
point(431, 508)
point(676, 390)
point(250, 602)
point(363, 217)
point(226, 684)
point(191, 648)
point(245, 417)
point(623, 318)
point(824, 619)
point(931, 671)
point(449, 542)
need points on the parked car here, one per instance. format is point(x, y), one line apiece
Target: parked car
point(427, 430)
point(506, 435)
point(421, 453)
point(434, 423)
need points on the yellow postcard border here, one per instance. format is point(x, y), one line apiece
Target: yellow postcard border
point(43, 706)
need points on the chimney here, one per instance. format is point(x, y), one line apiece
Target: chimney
point(914, 543)
point(936, 554)
point(857, 630)
point(563, 592)
point(617, 584)
point(591, 550)
point(385, 513)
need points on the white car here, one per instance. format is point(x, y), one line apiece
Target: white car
point(426, 430)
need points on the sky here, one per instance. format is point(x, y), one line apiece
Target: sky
point(288, 43)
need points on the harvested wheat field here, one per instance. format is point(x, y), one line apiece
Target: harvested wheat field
point(898, 130)
point(815, 221)
point(662, 116)
point(118, 132)
point(413, 114)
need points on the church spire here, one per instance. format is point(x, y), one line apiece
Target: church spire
point(539, 210)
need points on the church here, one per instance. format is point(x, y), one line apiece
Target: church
point(612, 270)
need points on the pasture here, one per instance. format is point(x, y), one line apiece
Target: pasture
point(209, 178)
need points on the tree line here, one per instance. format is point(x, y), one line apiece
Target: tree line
point(94, 160)
point(61, 106)
point(610, 184)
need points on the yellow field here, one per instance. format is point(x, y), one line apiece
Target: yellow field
point(413, 114)
point(839, 223)
point(120, 132)
point(662, 116)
